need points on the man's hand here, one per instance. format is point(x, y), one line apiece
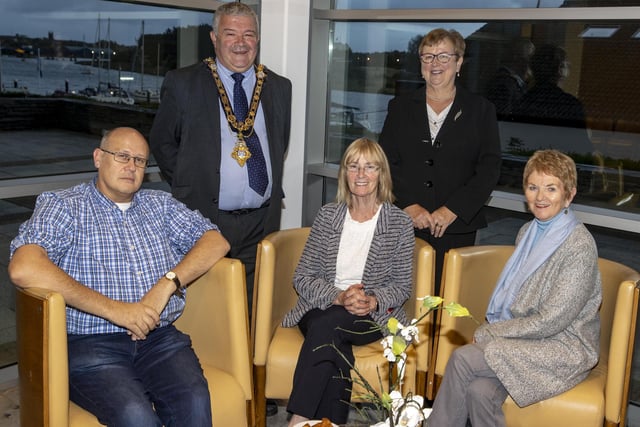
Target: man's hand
point(139, 319)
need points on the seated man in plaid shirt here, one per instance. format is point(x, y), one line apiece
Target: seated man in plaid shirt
point(122, 257)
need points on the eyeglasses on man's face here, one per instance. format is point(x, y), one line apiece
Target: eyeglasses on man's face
point(369, 169)
point(443, 58)
point(121, 157)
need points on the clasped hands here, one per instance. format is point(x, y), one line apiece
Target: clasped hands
point(137, 318)
point(140, 318)
point(437, 221)
point(356, 301)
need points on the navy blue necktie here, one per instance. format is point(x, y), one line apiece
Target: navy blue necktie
point(257, 168)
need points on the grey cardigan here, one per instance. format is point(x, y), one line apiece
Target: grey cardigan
point(553, 340)
point(387, 273)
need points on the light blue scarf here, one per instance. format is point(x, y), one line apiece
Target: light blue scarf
point(539, 242)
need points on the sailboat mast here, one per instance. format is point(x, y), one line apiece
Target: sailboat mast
point(99, 51)
point(158, 69)
point(109, 50)
point(142, 59)
point(1, 87)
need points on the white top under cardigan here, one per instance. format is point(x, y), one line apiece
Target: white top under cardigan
point(354, 249)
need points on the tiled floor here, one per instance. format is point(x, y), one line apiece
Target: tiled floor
point(9, 398)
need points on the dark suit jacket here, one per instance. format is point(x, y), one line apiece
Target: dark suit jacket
point(185, 138)
point(459, 170)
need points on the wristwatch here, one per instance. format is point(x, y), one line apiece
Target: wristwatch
point(174, 278)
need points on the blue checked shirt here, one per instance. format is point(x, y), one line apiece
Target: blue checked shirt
point(118, 254)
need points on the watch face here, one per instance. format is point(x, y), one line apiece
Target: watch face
point(170, 275)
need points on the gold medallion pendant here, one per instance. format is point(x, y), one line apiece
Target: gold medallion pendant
point(241, 152)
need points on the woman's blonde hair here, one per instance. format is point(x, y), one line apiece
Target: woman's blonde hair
point(371, 150)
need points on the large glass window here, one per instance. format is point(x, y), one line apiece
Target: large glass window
point(474, 4)
point(579, 94)
point(68, 71)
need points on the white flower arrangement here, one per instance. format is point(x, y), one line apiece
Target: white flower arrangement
point(400, 410)
point(407, 411)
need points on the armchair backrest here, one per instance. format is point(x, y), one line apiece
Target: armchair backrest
point(469, 276)
point(273, 292)
point(618, 315)
point(271, 302)
point(41, 338)
point(215, 317)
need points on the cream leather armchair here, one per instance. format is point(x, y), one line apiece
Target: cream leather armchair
point(276, 348)
point(470, 275)
point(215, 317)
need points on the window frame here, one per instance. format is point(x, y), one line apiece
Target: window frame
point(317, 171)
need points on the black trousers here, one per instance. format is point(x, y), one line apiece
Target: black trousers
point(319, 390)
point(244, 231)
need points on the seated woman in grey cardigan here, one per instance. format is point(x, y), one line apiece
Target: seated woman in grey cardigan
point(356, 265)
point(542, 335)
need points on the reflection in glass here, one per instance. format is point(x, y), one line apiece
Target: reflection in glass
point(89, 66)
point(473, 4)
point(440, 4)
point(552, 88)
point(68, 70)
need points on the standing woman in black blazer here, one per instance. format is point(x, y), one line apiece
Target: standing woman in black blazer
point(444, 150)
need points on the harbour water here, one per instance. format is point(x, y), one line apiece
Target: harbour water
point(46, 76)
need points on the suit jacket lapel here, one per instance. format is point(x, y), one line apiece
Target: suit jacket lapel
point(212, 108)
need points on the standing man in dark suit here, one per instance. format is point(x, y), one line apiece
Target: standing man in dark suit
point(221, 157)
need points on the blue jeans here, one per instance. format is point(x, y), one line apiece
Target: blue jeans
point(153, 382)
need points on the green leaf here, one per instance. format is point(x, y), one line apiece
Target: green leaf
point(385, 399)
point(399, 345)
point(392, 325)
point(456, 310)
point(431, 302)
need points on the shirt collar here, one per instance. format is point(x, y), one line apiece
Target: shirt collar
point(101, 198)
point(224, 71)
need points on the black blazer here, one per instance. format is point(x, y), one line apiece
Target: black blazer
point(459, 170)
point(185, 138)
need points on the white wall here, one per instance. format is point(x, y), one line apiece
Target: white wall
point(284, 47)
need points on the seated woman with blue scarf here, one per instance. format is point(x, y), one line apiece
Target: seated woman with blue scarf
point(543, 327)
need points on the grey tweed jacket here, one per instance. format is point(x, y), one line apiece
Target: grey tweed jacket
point(387, 273)
point(553, 340)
